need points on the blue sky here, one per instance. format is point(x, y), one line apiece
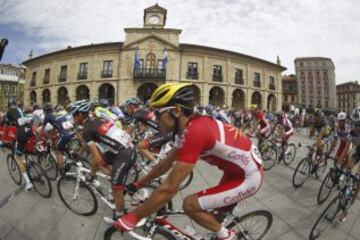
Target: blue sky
point(261, 28)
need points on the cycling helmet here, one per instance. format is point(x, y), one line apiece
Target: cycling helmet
point(253, 106)
point(82, 106)
point(48, 108)
point(355, 116)
point(104, 103)
point(341, 116)
point(173, 94)
point(133, 101)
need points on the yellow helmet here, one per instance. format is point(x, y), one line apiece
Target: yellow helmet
point(173, 94)
point(253, 106)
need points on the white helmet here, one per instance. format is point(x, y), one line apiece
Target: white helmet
point(341, 116)
point(355, 116)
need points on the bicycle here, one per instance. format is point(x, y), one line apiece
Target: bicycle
point(340, 203)
point(308, 167)
point(36, 174)
point(158, 227)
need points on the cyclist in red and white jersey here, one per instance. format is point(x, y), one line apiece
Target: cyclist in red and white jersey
point(221, 145)
point(264, 125)
point(286, 127)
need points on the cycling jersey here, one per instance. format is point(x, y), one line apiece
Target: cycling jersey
point(286, 123)
point(263, 122)
point(343, 134)
point(224, 146)
point(115, 144)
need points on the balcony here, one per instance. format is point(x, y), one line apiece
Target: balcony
point(217, 78)
point(272, 87)
point(257, 84)
point(106, 73)
point(192, 75)
point(62, 78)
point(82, 75)
point(150, 74)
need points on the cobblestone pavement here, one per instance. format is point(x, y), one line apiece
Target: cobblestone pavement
point(25, 215)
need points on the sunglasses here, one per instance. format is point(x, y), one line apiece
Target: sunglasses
point(159, 112)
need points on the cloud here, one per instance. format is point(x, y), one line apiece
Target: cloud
point(262, 28)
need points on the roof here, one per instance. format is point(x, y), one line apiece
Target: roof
point(311, 58)
point(155, 7)
point(348, 83)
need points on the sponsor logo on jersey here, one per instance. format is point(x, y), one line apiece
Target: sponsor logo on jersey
point(244, 158)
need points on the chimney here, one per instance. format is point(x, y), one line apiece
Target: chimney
point(278, 62)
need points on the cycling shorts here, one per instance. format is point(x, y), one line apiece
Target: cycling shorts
point(64, 139)
point(23, 134)
point(232, 189)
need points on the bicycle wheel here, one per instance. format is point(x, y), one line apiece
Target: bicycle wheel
point(326, 188)
point(77, 196)
point(14, 169)
point(302, 173)
point(48, 163)
point(186, 181)
point(269, 157)
point(320, 170)
point(325, 219)
point(290, 154)
point(159, 234)
point(253, 225)
point(39, 179)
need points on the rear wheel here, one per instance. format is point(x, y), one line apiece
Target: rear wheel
point(302, 173)
point(290, 153)
point(253, 225)
point(14, 169)
point(326, 188)
point(39, 179)
point(48, 163)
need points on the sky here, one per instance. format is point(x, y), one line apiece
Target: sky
point(260, 28)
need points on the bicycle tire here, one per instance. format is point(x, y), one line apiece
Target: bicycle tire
point(320, 171)
point(287, 160)
point(238, 220)
point(323, 215)
point(324, 184)
point(111, 234)
point(39, 179)
point(67, 179)
point(13, 167)
point(299, 170)
point(49, 165)
point(269, 162)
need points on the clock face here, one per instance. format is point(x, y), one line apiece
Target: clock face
point(154, 19)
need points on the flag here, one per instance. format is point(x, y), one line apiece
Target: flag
point(137, 65)
point(165, 58)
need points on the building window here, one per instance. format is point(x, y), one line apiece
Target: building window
point(217, 73)
point(63, 74)
point(107, 71)
point(257, 82)
point(239, 76)
point(83, 68)
point(272, 83)
point(46, 79)
point(33, 79)
point(192, 70)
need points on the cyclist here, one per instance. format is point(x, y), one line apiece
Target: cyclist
point(264, 125)
point(15, 116)
point(286, 128)
point(219, 144)
point(64, 124)
point(132, 105)
point(109, 145)
point(322, 128)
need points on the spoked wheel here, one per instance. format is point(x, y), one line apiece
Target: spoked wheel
point(289, 156)
point(321, 169)
point(269, 157)
point(39, 179)
point(302, 173)
point(253, 225)
point(159, 234)
point(326, 188)
point(77, 196)
point(48, 163)
point(14, 169)
point(325, 219)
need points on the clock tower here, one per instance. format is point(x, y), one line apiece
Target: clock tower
point(155, 17)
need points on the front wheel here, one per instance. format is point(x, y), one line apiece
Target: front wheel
point(325, 219)
point(289, 154)
point(253, 225)
point(326, 188)
point(269, 157)
point(48, 163)
point(159, 234)
point(39, 179)
point(302, 173)
point(14, 169)
point(77, 196)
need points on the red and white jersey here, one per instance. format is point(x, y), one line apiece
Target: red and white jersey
point(286, 123)
point(263, 122)
point(219, 144)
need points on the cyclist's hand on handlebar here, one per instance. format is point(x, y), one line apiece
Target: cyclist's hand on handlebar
point(127, 222)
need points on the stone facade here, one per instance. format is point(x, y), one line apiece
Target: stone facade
point(12, 81)
point(316, 82)
point(289, 88)
point(219, 76)
point(348, 96)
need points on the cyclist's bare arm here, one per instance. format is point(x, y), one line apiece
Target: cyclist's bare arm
point(161, 168)
point(166, 191)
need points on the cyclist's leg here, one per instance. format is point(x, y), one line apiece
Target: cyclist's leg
point(63, 140)
point(22, 135)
